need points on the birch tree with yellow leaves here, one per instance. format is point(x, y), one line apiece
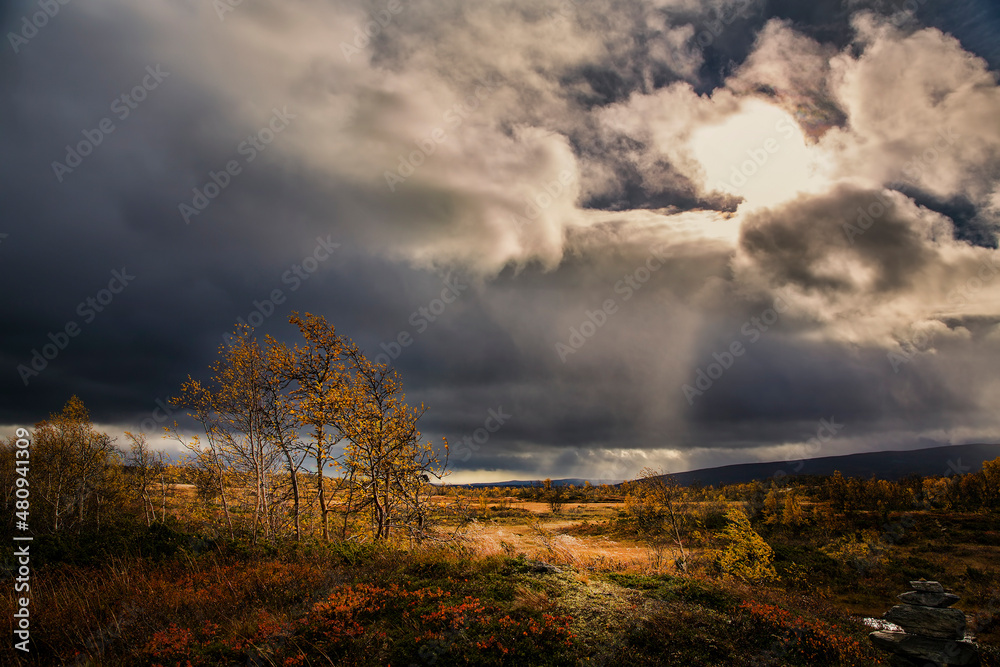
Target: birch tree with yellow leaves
point(77, 470)
point(354, 415)
point(388, 469)
point(316, 373)
point(249, 430)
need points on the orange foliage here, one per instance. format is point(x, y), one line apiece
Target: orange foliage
point(363, 613)
point(808, 640)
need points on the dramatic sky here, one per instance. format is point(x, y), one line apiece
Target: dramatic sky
point(674, 233)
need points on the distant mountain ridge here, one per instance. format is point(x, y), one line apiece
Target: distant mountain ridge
point(575, 481)
point(889, 465)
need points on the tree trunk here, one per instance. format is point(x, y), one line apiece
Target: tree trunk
point(147, 505)
point(320, 460)
point(677, 535)
point(295, 494)
point(163, 494)
point(350, 503)
point(222, 493)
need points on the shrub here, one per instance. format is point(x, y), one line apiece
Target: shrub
point(865, 554)
point(746, 555)
point(801, 640)
point(364, 624)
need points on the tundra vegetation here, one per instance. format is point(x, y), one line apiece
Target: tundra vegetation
point(308, 524)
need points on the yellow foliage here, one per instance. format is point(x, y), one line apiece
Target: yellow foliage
point(864, 553)
point(76, 470)
point(746, 555)
point(793, 515)
point(772, 507)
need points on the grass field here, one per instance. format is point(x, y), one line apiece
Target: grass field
point(509, 582)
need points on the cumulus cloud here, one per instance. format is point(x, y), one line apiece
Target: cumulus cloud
point(833, 157)
point(927, 123)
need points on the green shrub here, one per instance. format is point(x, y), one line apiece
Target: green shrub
point(126, 538)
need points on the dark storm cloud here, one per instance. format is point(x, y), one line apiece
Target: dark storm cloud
point(793, 246)
point(972, 224)
point(608, 94)
point(638, 186)
point(974, 22)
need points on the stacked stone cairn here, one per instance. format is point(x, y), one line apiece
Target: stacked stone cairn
point(933, 634)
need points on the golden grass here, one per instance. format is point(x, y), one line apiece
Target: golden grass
point(542, 542)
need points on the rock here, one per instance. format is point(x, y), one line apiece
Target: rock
point(932, 632)
point(929, 599)
point(942, 623)
point(920, 650)
point(927, 586)
point(545, 568)
point(928, 621)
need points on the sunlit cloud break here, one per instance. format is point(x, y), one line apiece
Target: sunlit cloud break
point(836, 164)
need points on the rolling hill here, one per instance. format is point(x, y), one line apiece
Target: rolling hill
point(891, 465)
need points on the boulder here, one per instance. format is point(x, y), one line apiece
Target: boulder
point(541, 567)
point(928, 621)
point(932, 632)
point(927, 586)
point(929, 599)
point(921, 650)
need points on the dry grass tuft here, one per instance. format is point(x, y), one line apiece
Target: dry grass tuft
point(531, 600)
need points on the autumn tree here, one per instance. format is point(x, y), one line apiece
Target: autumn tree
point(248, 427)
point(654, 502)
point(281, 421)
point(745, 554)
point(772, 507)
point(554, 495)
point(388, 468)
point(838, 492)
point(991, 483)
point(316, 374)
point(76, 470)
point(144, 469)
point(257, 401)
point(793, 515)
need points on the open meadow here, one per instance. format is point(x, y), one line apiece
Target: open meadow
point(531, 576)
